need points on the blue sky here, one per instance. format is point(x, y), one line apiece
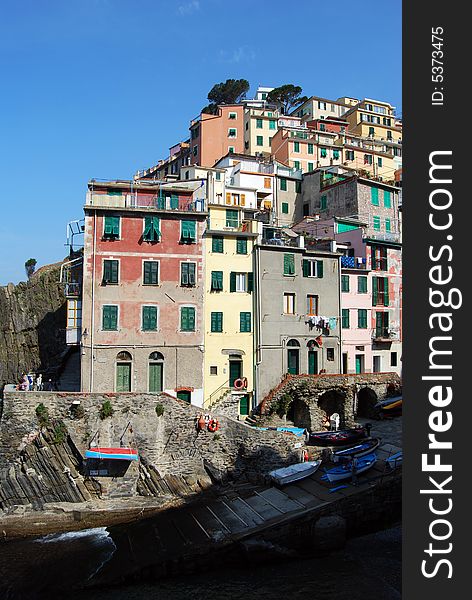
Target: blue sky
point(102, 88)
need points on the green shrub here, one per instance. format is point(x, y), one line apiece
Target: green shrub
point(159, 410)
point(60, 433)
point(217, 437)
point(42, 414)
point(106, 410)
point(282, 405)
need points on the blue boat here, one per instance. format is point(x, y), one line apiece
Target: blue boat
point(394, 461)
point(112, 453)
point(345, 470)
point(358, 450)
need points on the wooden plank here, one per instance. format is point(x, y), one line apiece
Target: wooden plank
point(299, 495)
point(209, 522)
point(190, 529)
point(261, 506)
point(252, 518)
point(228, 518)
point(171, 539)
point(279, 500)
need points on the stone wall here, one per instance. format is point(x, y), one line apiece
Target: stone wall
point(175, 458)
point(32, 325)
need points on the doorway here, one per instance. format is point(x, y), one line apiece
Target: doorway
point(312, 362)
point(156, 371)
point(345, 362)
point(244, 405)
point(123, 377)
point(293, 357)
point(235, 370)
point(184, 395)
point(360, 363)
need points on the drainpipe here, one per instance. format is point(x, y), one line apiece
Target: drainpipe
point(92, 327)
point(340, 317)
point(257, 320)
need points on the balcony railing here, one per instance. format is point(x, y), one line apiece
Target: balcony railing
point(385, 334)
point(353, 262)
point(73, 289)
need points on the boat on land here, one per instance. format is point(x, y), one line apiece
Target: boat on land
point(294, 472)
point(394, 461)
point(343, 437)
point(112, 453)
point(358, 450)
point(348, 469)
point(389, 406)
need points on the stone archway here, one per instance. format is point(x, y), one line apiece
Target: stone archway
point(366, 400)
point(299, 414)
point(332, 401)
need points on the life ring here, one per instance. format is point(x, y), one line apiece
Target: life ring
point(239, 384)
point(213, 425)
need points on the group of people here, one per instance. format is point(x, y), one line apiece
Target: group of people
point(30, 382)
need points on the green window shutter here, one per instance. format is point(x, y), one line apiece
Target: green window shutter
point(217, 280)
point(110, 271)
point(319, 268)
point(245, 322)
point(375, 291)
point(379, 161)
point(310, 148)
point(374, 196)
point(323, 153)
point(147, 228)
point(345, 283)
point(250, 282)
point(388, 225)
point(187, 318)
point(306, 268)
point(174, 202)
point(377, 223)
point(289, 264)
point(260, 140)
point(298, 187)
point(149, 318)
point(362, 318)
point(323, 202)
point(296, 165)
point(387, 199)
point(232, 281)
point(184, 277)
point(216, 322)
point(110, 318)
point(188, 231)
point(151, 231)
point(310, 167)
point(259, 123)
point(232, 218)
point(161, 202)
point(296, 146)
point(285, 208)
point(336, 154)
point(191, 273)
point(112, 227)
point(272, 124)
point(151, 272)
point(386, 294)
point(362, 284)
point(217, 243)
point(241, 246)
point(283, 184)
point(345, 318)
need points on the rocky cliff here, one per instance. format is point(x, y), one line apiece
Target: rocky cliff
point(32, 324)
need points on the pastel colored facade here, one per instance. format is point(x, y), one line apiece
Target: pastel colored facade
point(320, 108)
point(213, 136)
point(378, 159)
point(143, 289)
point(260, 126)
point(168, 168)
point(293, 285)
point(229, 298)
point(374, 118)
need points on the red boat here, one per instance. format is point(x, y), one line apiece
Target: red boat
point(112, 453)
point(343, 437)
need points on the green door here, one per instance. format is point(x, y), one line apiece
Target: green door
point(235, 371)
point(155, 377)
point(293, 361)
point(123, 377)
point(312, 362)
point(359, 361)
point(244, 405)
point(184, 395)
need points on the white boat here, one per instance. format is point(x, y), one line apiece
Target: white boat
point(346, 470)
point(294, 472)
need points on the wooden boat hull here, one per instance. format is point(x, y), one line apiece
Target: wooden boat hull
point(294, 472)
point(394, 461)
point(112, 453)
point(344, 437)
point(357, 451)
point(344, 470)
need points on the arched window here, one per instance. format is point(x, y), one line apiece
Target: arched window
point(293, 343)
point(124, 356)
point(156, 356)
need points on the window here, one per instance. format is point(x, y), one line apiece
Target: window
point(362, 318)
point(151, 232)
point(74, 313)
point(381, 324)
point(289, 304)
point(379, 258)
point(387, 121)
point(296, 146)
point(323, 153)
point(187, 318)
point(150, 272)
point(216, 322)
point(322, 127)
point(311, 305)
point(330, 354)
point(111, 228)
point(298, 187)
point(216, 281)
point(310, 148)
point(258, 123)
point(388, 225)
point(244, 322)
point(259, 140)
point(306, 209)
point(195, 150)
point(214, 370)
point(374, 196)
point(380, 295)
point(362, 284)
point(232, 115)
point(312, 268)
point(174, 202)
point(110, 318)
point(217, 243)
point(289, 264)
point(110, 271)
point(336, 154)
point(393, 359)
point(241, 246)
point(321, 105)
point(349, 154)
point(232, 218)
point(344, 283)
point(371, 131)
point(367, 159)
point(387, 199)
point(379, 161)
point(149, 318)
point(345, 318)
point(218, 176)
point(296, 164)
point(188, 232)
point(272, 124)
point(230, 149)
point(283, 184)
point(232, 133)
point(267, 183)
point(241, 282)
point(187, 274)
point(376, 221)
point(310, 166)
point(323, 202)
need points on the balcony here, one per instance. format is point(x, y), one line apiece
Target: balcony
point(73, 335)
point(73, 289)
point(152, 201)
point(385, 334)
point(353, 262)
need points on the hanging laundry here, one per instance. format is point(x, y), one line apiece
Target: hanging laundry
point(332, 322)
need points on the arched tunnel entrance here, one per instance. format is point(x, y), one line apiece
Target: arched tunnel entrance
point(299, 414)
point(332, 401)
point(366, 400)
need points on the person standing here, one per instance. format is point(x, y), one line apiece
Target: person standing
point(39, 383)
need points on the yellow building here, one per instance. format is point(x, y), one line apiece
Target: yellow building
point(229, 297)
point(260, 126)
point(374, 119)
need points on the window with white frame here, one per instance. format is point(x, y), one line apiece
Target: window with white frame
point(289, 303)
